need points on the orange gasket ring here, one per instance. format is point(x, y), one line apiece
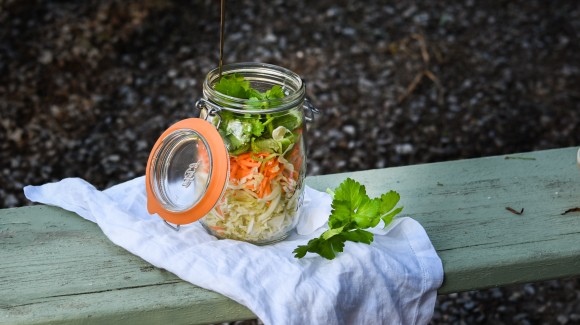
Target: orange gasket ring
point(219, 173)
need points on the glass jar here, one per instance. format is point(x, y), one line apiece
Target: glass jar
point(239, 168)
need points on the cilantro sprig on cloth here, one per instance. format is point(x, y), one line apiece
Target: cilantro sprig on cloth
point(352, 212)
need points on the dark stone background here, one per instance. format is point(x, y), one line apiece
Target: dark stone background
point(86, 87)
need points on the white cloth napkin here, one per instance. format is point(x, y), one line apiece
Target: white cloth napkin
point(392, 281)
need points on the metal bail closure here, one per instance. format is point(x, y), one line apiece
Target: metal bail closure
point(310, 110)
point(187, 171)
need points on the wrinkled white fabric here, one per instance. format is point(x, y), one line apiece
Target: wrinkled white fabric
point(392, 281)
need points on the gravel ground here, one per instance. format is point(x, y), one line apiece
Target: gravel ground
point(86, 87)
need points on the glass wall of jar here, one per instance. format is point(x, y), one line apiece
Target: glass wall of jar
point(265, 141)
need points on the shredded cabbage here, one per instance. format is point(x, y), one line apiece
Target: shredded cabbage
point(243, 215)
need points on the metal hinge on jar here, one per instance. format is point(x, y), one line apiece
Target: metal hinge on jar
point(212, 111)
point(310, 111)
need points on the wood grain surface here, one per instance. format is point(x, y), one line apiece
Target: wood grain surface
point(59, 268)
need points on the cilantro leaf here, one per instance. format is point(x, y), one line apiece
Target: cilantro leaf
point(340, 214)
point(351, 192)
point(325, 248)
point(389, 217)
point(366, 214)
point(329, 247)
point(291, 121)
point(275, 92)
point(351, 204)
point(233, 85)
point(257, 127)
point(255, 103)
point(352, 212)
point(332, 232)
point(301, 250)
point(253, 93)
point(388, 201)
point(253, 131)
point(359, 236)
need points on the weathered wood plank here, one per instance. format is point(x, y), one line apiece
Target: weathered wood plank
point(462, 205)
point(58, 268)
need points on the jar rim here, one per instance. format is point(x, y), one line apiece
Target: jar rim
point(275, 74)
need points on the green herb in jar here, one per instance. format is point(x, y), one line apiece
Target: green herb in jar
point(257, 132)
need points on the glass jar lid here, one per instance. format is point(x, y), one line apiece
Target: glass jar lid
point(186, 172)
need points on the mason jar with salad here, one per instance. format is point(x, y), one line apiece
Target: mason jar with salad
point(239, 168)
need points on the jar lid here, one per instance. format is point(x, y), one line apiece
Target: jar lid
point(187, 171)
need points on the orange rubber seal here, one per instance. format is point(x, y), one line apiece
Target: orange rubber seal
point(218, 180)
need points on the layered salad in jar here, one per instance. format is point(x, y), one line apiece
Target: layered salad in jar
point(266, 164)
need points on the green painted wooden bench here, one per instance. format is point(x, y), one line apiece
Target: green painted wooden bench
point(58, 268)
